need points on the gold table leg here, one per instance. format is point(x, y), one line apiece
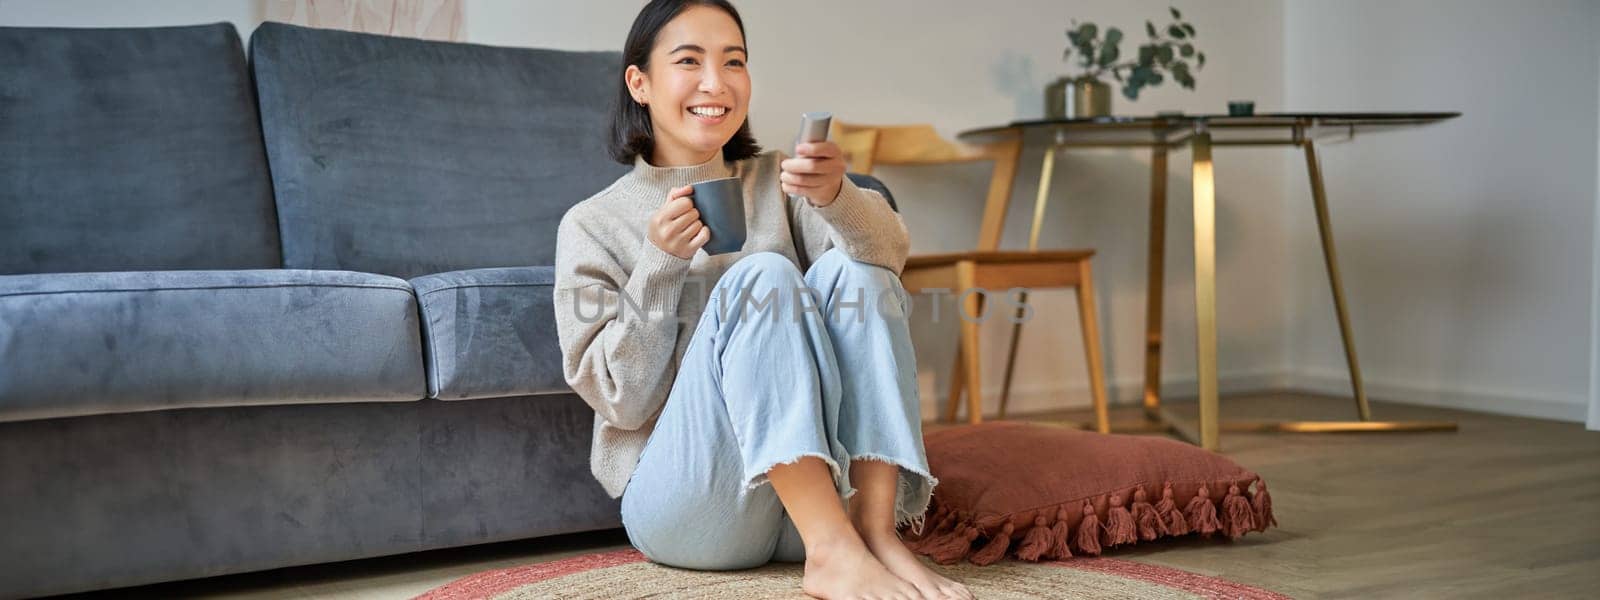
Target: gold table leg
point(1336, 426)
point(1205, 286)
point(1040, 199)
point(1206, 431)
point(1153, 286)
point(1205, 296)
point(1156, 418)
point(1159, 418)
point(1319, 199)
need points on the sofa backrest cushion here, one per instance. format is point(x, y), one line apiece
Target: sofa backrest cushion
point(130, 149)
point(409, 157)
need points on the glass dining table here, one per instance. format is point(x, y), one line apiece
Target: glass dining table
point(1201, 133)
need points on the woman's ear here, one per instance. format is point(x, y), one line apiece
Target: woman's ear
point(638, 85)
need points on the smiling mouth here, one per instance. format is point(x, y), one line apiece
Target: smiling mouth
point(709, 112)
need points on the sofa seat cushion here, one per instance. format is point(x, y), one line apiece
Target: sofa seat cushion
point(93, 343)
point(490, 333)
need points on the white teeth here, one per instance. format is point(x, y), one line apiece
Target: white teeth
point(708, 111)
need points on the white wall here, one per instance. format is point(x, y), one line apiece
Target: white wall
point(244, 14)
point(1467, 247)
point(1594, 310)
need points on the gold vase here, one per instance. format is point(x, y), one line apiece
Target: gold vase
point(1091, 98)
point(1077, 98)
point(1057, 101)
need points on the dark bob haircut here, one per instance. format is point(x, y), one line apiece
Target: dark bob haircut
point(632, 134)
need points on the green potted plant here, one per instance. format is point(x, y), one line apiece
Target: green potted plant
point(1169, 52)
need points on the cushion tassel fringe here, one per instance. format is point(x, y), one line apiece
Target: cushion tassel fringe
point(995, 549)
point(1037, 541)
point(946, 521)
point(1120, 528)
point(1167, 510)
point(954, 547)
point(1144, 515)
point(1262, 504)
point(1238, 517)
point(956, 535)
point(1202, 514)
point(1089, 531)
point(1059, 536)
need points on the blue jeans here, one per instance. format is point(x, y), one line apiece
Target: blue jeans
point(771, 376)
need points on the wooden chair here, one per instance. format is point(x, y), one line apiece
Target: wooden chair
point(987, 267)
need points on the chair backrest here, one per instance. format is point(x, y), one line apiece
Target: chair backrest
point(131, 149)
point(868, 146)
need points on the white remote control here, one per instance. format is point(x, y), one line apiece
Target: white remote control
point(813, 128)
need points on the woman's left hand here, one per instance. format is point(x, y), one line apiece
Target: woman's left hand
point(816, 172)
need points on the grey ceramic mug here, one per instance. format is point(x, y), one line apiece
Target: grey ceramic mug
point(721, 206)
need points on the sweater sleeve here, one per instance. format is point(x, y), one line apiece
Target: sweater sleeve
point(618, 330)
point(859, 221)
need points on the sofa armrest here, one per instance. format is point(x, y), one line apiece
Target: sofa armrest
point(490, 333)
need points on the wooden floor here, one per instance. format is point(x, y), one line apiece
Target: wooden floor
point(1504, 508)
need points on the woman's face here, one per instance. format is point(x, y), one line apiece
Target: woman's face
point(697, 87)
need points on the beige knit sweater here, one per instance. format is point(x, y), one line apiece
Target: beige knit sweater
point(623, 364)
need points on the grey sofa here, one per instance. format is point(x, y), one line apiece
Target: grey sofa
point(285, 308)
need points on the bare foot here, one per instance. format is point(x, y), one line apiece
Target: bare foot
point(846, 570)
point(901, 561)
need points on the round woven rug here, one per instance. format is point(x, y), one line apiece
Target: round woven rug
point(627, 574)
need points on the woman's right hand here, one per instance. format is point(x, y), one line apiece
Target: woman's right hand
point(675, 228)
